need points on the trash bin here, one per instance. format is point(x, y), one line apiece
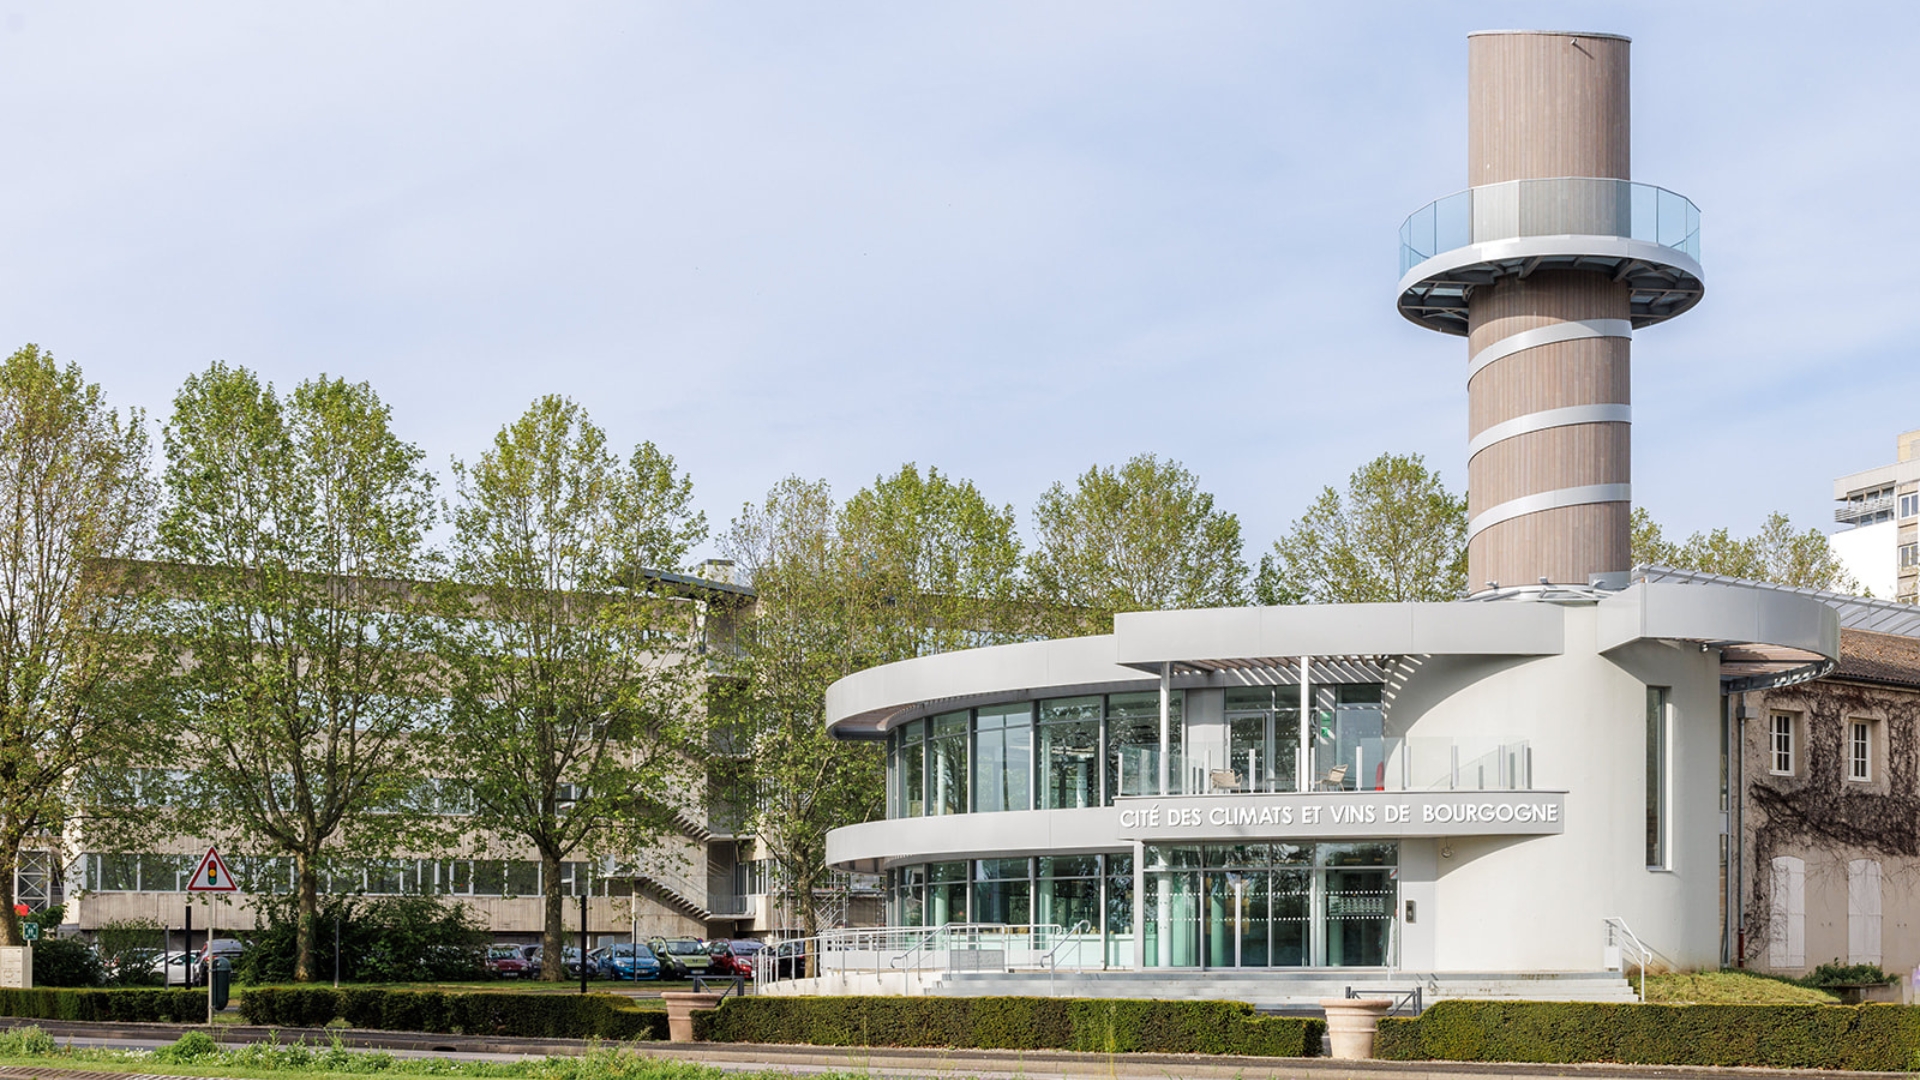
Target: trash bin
point(222, 981)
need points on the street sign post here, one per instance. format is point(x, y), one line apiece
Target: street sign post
point(211, 876)
point(30, 931)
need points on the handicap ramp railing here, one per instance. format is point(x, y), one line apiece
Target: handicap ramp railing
point(921, 952)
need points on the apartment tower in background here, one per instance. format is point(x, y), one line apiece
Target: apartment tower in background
point(1880, 512)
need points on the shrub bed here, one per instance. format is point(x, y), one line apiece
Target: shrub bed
point(542, 1016)
point(162, 1006)
point(1882, 1038)
point(1012, 1023)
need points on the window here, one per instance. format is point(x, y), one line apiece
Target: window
point(1859, 750)
point(1782, 751)
point(1070, 753)
point(1003, 758)
point(1787, 914)
point(947, 764)
point(1910, 505)
point(1909, 556)
point(1657, 778)
point(1863, 912)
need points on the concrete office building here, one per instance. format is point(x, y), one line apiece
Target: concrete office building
point(1880, 508)
point(1274, 803)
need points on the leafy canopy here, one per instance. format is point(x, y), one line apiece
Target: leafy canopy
point(1396, 535)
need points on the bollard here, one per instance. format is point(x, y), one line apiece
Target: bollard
point(680, 1006)
point(1350, 1025)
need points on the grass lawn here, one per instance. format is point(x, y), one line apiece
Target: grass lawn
point(1730, 988)
point(195, 1054)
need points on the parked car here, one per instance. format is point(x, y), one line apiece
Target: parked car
point(536, 958)
point(626, 960)
point(226, 949)
point(790, 960)
point(530, 954)
point(681, 957)
point(172, 967)
point(733, 957)
point(505, 962)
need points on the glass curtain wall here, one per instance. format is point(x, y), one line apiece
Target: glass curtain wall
point(1003, 758)
point(946, 893)
point(1271, 905)
point(1133, 744)
point(907, 780)
point(947, 764)
point(1002, 892)
point(1070, 753)
point(1056, 890)
point(1263, 737)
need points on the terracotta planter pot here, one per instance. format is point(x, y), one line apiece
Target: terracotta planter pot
point(1351, 1023)
point(682, 1003)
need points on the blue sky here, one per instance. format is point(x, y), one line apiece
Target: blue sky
point(1010, 241)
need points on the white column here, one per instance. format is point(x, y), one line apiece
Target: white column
point(1166, 725)
point(1139, 905)
point(1303, 768)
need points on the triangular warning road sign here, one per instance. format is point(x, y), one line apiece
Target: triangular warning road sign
point(212, 875)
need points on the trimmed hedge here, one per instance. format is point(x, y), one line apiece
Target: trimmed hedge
point(1882, 1038)
point(540, 1016)
point(1012, 1023)
point(162, 1006)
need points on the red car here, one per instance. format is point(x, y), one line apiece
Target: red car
point(505, 962)
point(733, 957)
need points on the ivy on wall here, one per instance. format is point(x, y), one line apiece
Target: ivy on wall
point(1817, 808)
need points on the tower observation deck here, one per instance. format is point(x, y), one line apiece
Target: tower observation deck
point(1546, 264)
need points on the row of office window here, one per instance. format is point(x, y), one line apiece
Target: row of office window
point(1252, 905)
point(1062, 753)
point(1077, 752)
point(153, 872)
point(1857, 752)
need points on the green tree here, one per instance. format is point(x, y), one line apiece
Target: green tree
point(577, 684)
point(937, 564)
point(1396, 535)
point(912, 565)
point(1142, 537)
point(298, 527)
point(76, 503)
point(1776, 553)
point(805, 632)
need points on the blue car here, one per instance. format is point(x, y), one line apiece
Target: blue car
point(626, 960)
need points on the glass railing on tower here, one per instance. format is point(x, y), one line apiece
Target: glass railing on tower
point(1560, 206)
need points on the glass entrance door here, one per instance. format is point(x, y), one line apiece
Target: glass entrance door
point(1262, 747)
point(1271, 905)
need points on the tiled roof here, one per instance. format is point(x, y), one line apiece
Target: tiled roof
point(1880, 658)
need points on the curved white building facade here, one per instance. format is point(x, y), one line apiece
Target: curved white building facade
point(1502, 784)
point(1479, 785)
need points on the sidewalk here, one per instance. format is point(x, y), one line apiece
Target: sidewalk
point(909, 1063)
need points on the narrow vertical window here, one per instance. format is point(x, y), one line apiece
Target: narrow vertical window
point(1656, 778)
point(1787, 915)
point(1859, 750)
point(1783, 744)
point(1863, 912)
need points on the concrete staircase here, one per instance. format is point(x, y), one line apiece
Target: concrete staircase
point(1286, 989)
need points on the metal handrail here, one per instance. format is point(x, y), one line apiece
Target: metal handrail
point(1053, 954)
point(1402, 999)
point(1619, 933)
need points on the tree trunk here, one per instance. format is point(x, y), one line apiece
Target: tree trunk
point(809, 908)
point(553, 936)
point(9, 922)
point(307, 908)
